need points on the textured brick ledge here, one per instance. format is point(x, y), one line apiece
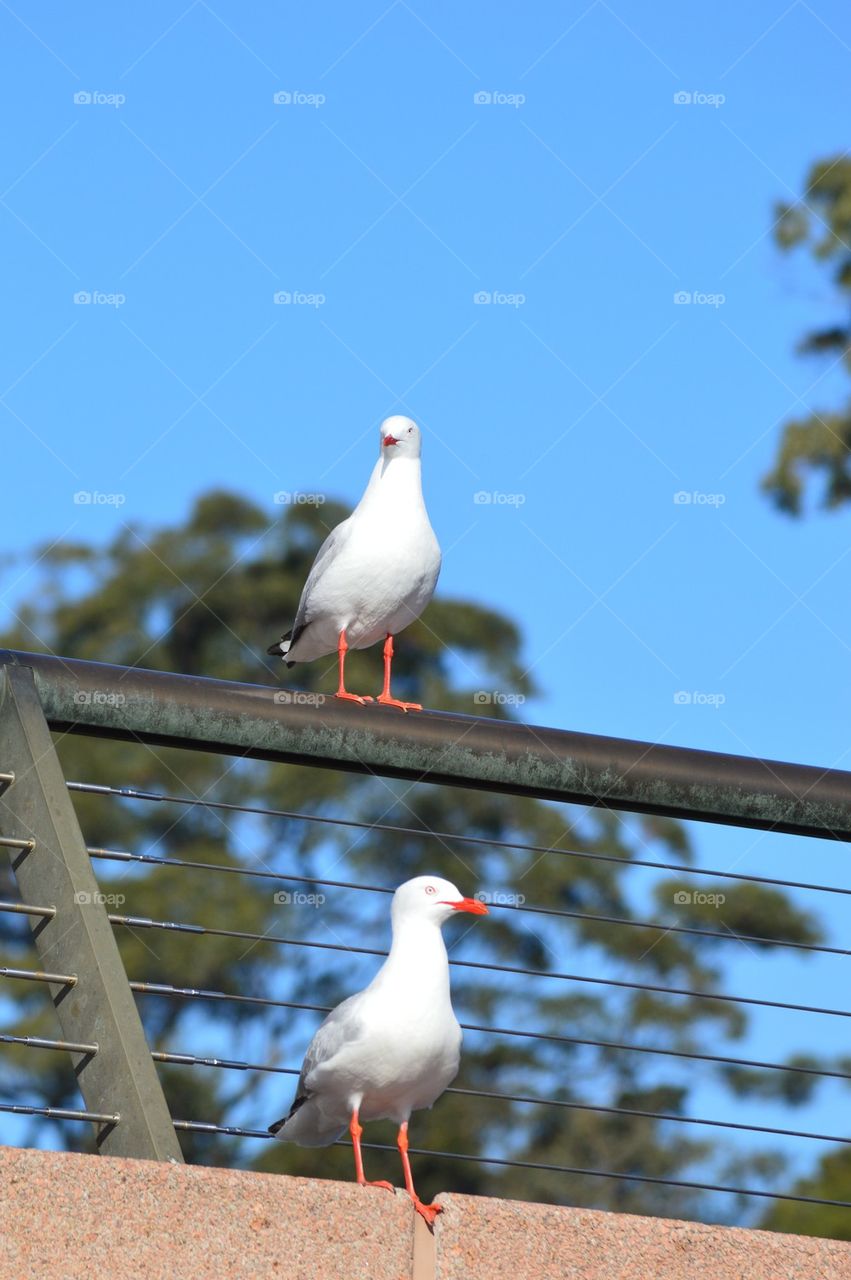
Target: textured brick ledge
point(69, 1216)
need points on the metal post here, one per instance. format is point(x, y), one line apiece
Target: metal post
point(52, 869)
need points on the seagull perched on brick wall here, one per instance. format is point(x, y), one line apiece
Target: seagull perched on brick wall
point(375, 573)
point(395, 1046)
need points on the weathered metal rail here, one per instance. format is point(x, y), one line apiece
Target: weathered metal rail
point(268, 723)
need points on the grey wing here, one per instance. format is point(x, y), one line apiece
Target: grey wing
point(341, 1027)
point(330, 547)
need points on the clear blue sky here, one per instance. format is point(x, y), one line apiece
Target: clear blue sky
point(183, 197)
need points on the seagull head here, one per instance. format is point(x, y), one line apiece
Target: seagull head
point(400, 437)
point(431, 899)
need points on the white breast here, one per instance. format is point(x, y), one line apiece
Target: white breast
point(380, 576)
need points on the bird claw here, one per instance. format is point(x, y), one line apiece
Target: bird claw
point(394, 702)
point(352, 697)
point(388, 1186)
point(427, 1211)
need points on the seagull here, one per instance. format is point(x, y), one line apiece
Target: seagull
point(395, 1046)
point(374, 573)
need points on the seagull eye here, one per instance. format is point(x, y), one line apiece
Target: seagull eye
point(429, 888)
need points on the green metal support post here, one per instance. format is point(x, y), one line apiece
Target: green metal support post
point(52, 869)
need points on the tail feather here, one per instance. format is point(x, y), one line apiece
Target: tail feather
point(281, 647)
point(307, 1126)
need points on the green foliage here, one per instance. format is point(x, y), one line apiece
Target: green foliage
point(819, 447)
point(749, 910)
point(831, 1181)
point(207, 597)
point(791, 1086)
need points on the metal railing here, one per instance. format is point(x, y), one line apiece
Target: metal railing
point(94, 998)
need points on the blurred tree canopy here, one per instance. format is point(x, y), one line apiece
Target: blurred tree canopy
point(206, 596)
point(815, 452)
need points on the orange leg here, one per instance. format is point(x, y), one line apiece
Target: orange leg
point(428, 1211)
point(356, 1129)
point(385, 697)
point(342, 650)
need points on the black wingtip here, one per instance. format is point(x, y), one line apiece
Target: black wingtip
point(275, 650)
point(279, 1124)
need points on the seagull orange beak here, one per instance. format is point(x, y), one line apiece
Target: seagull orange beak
point(473, 905)
point(389, 440)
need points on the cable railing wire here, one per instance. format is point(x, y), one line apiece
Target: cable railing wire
point(59, 1113)
point(185, 1059)
point(236, 1131)
point(221, 1064)
point(230, 1064)
point(12, 842)
point(38, 1042)
point(238, 1065)
point(131, 793)
point(143, 922)
point(26, 909)
point(193, 993)
point(523, 1099)
point(37, 975)
point(65, 1113)
point(191, 928)
point(725, 935)
point(199, 993)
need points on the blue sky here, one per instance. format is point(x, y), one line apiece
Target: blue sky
point(152, 169)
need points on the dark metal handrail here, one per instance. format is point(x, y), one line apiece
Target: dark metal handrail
point(262, 722)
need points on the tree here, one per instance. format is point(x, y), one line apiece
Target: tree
point(818, 447)
point(831, 1180)
point(205, 597)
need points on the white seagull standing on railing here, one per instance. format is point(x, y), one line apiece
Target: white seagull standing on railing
point(376, 572)
point(395, 1046)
